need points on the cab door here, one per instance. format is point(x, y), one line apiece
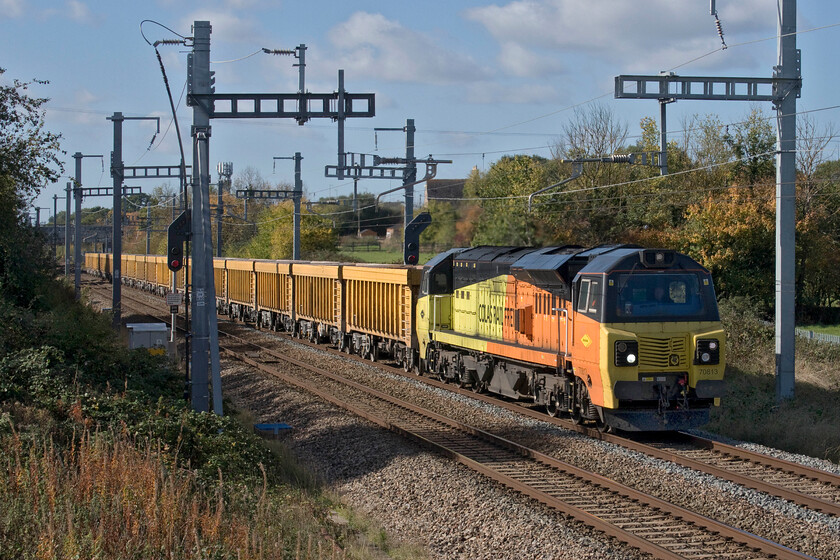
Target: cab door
point(586, 334)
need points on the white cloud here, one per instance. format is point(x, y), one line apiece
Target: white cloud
point(371, 45)
point(84, 97)
point(11, 8)
point(519, 61)
point(225, 27)
point(656, 34)
point(78, 11)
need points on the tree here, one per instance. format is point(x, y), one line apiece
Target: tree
point(732, 233)
point(505, 219)
point(818, 219)
point(442, 229)
point(274, 238)
point(754, 144)
point(28, 160)
point(704, 142)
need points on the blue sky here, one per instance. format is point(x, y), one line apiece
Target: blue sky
point(480, 79)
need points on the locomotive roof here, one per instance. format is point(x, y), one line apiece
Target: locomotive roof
point(608, 257)
point(437, 259)
point(631, 257)
point(555, 268)
point(497, 255)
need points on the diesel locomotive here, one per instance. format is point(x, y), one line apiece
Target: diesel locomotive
point(618, 336)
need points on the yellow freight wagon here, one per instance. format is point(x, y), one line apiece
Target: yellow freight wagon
point(163, 275)
point(379, 309)
point(181, 274)
point(129, 269)
point(105, 264)
point(148, 275)
point(318, 293)
point(219, 279)
point(239, 300)
point(273, 294)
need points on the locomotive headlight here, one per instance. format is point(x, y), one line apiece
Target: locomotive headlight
point(626, 353)
point(708, 352)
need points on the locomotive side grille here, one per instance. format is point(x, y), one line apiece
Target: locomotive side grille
point(662, 352)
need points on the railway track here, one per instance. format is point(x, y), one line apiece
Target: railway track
point(642, 521)
point(808, 487)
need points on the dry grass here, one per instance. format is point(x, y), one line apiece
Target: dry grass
point(807, 424)
point(106, 498)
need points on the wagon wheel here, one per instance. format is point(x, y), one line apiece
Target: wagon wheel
point(373, 353)
point(406, 360)
point(479, 387)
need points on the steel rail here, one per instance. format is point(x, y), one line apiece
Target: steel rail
point(747, 539)
point(794, 496)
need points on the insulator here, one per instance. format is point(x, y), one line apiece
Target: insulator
point(279, 51)
point(620, 158)
point(169, 42)
point(390, 161)
point(720, 31)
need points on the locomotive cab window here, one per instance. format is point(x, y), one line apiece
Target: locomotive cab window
point(583, 296)
point(594, 297)
point(657, 296)
point(590, 297)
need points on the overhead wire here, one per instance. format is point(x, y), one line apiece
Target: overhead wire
point(502, 129)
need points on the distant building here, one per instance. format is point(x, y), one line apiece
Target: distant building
point(443, 189)
point(367, 234)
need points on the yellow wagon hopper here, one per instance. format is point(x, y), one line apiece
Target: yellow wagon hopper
point(162, 275)
point(182, 274)
point(220, 282)
point(128, 265)
point(106, 264)
point(379, 311)
point(318, 301)
point(148, 271)
point(92, 263)
point(239, 290)
point(98, 264)
point(273, 294)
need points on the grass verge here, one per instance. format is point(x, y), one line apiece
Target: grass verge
point(810, 422)
point(103, 459)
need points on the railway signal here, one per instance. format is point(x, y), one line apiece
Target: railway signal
point(411, 249)
point(176, 235)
